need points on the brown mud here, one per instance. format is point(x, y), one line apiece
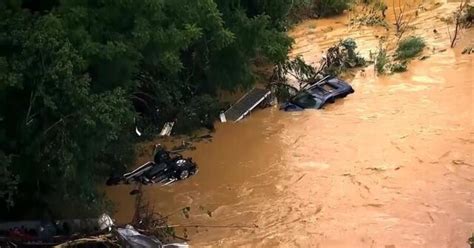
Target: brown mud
point(389, 166)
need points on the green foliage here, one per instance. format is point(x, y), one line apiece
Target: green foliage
point(353, 57)
point(55, 129)
point(342, 56)
point(301, 9)
point(297, 68)
point(72, 71)
point(339, 58)
point(377, 5)
point(330, 7)
point(371, 14)
point(399, 67)
point(8, 181)
point(409, 47)
point(201, 112)
point(467, 18)
point(381, 61)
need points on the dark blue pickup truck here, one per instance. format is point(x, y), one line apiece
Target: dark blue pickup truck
point(318, 94)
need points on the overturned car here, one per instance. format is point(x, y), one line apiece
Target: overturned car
point(318, 94)
point(165, 169)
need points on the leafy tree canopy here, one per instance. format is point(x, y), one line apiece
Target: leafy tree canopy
point(75, 74)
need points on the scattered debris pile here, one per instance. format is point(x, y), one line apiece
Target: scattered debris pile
point(147, 230)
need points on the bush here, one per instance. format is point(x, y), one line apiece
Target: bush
point(381, 61)
point(353, 57)
point(398, 67)
point(373, 14)
point(302, 9)
point(409, 47)
point(330, 7)
point(468, 17)
point(201, 111)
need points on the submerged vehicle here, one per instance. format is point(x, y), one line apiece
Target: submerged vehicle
point(165, 169)
point(318, 94)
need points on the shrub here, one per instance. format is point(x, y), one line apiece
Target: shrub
point(381, 61)
point(409, 47)
point(468, 17)
point(302, 9)
point(200, 112)
point(372, 14)
point(330, 7)
point(353, 57)
point(398, 67)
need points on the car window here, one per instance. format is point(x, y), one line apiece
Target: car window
point(318, 90)
point(328, 87)
point(305, 100)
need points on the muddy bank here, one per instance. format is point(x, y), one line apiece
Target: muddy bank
point(389, 166)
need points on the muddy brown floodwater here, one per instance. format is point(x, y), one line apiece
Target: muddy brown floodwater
point(390, 166)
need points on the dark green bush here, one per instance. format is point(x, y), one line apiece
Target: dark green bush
point(330, 7)
point(399, 67)
point(409, 47)
point(381, 61)
point(200, 112)
point(302, 9)
point(468, 16)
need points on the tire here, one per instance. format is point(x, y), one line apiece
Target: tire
point(331, 100)
point(183, 174)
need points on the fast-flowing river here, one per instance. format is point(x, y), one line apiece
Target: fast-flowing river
point(389, 166)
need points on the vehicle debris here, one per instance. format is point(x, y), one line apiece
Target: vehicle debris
point(166, 168)
point(246, 104)
point(167, 128)
point(318, 94)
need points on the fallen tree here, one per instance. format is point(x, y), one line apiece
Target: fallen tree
point(337, 59)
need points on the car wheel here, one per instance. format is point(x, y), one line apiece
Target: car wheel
point(183, 174)
point(331, 100)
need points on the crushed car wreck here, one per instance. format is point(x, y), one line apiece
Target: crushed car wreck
point(166, 168)
point(318, 94)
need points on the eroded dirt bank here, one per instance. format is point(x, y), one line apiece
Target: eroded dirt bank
point(389, 166)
